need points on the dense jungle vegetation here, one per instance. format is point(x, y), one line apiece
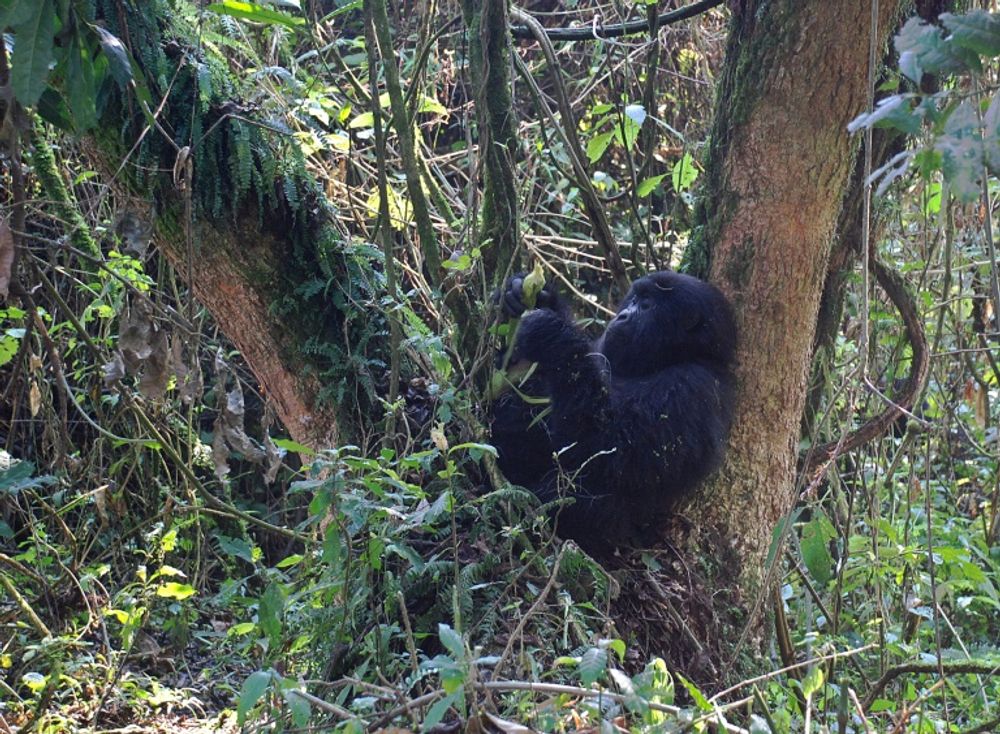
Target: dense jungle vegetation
point(250, 255)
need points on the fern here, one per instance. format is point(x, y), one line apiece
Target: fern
point(241, 159)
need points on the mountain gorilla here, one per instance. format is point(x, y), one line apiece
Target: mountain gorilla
point(638, 418)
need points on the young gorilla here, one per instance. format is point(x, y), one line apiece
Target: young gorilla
point(637, 418)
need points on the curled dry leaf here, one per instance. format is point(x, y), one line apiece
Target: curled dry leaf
point(155, 370)
point(190, 384)
point(274, 456)
point(134, 336)
point(135, 231)
point(220, 451)
point(142, 349)
point(114, 370)
point(34, 399)
point(229, 431)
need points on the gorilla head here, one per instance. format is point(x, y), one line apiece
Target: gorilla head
point(668, 318)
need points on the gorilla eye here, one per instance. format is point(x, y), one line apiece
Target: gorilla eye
point(645, 305)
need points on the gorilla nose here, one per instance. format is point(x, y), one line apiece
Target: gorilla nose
point(625, 314)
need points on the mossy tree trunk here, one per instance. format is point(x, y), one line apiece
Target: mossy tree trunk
point(490, 62)
point(796, 72)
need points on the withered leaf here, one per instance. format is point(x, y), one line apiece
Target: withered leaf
point(114, 370)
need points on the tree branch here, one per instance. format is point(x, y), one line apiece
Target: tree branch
point(895, 289)
point(595, 212)
point(596, 32)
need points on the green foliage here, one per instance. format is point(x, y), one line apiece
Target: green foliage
point(387, 573)
point(963, 133)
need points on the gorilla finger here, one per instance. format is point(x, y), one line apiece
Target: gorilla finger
point(512, 304)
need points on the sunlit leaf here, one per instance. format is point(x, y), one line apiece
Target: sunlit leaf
point(174, 590)
point(684, 173)
point(648, 185)
point(255, 13)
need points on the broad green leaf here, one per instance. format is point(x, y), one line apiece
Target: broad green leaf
point(452, 678)
point(452, 641)
point(255, 13)
point(597, 145)
point(923, 50)
point(289, 445)
point(353, 5)
point(962, 154)
point(253, 688)
point(269, 612)
point(80, 87)
point(365, 119)
point(892, 112)
point(778, 535)
point(300, 708)
point(813, 680)
point(429, 104)
point(977, 30)
point(646, 186)
point(815, 553)
point(436, 712)
point(18, 477)
point(33, 44)
point(699, 698)
point(991, 135)
point(235, 547)
point(15, 12)
point(627, 132)
point(291, 560)
point(119, 59)
point(617, 646)
point(8, 349)
point(333, 546)
point(592, 665)
point(683, 173)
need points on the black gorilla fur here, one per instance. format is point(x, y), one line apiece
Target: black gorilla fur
point(638, 418)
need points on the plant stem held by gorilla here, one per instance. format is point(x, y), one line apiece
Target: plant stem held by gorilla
point(531, 287)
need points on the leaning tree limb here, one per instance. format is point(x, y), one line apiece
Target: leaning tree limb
point(958, 667)
point(895, 288)
point(596, 32)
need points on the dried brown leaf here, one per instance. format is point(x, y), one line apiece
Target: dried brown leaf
point(114, 370)
point(34, 399)
point(155, 369)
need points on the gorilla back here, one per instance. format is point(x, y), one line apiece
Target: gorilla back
point(638, 418)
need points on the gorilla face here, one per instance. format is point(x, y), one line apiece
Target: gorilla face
point(668, 318)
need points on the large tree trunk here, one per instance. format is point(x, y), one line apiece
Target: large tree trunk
point(796, 72)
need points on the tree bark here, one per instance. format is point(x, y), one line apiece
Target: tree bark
point(236, 276)
point(777, 171)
